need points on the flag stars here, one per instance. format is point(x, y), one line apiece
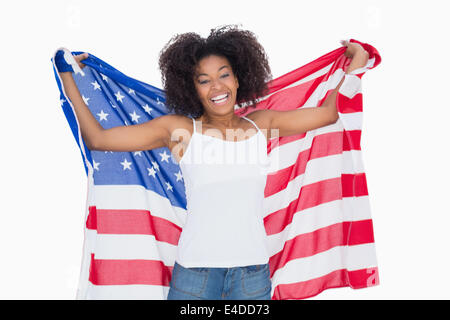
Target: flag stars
point(147, 108)
point(178, 175)
point(96, 164)
point(169, 186)
point(61, 102)
point(96, 85)
point(151, 172)
point(164, 156)
point(126, 164)
point(105, 78)
point(134, 116)
point(85, 100)
point(131, 91)
point(103, 115)
point(138, 153)
point(155, 165)
point(119, 97)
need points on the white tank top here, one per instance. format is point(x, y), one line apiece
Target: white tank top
point(224, 182)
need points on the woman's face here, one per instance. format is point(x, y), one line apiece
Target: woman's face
point(216, 85)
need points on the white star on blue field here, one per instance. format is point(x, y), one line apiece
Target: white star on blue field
point(114, 104)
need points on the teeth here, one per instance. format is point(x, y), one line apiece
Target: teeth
point(222, 96)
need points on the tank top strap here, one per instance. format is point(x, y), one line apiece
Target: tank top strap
point(193, 121)
point(251, 121)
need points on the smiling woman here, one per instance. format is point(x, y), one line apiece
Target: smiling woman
point(227, 59)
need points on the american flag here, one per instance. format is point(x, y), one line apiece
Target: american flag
point(316, 208)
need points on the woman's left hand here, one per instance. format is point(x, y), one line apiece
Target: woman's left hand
point(352, 48)
point(80, 57)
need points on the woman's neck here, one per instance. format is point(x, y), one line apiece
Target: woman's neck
point(223, 122)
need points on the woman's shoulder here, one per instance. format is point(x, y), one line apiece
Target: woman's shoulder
point(175, 121)
point(181, 130)
point(262, 119)
point(178, 126)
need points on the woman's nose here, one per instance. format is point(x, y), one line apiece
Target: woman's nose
point(216, 84)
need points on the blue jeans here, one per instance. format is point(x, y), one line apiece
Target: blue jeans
point(236, 283)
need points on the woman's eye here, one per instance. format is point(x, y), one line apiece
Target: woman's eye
point(206, 81)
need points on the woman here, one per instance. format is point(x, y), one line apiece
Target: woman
point(204, 79)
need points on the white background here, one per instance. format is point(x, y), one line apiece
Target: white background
point(404, 140)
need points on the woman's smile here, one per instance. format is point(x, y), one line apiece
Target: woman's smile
point(221, 99)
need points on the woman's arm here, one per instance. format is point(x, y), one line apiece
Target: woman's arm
point(149, 135)
point(90, 128)
point(301, 120)
point(359, 58)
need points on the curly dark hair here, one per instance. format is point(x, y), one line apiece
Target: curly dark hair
point(179, 57)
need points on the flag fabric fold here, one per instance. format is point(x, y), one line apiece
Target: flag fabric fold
point(316, 209)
